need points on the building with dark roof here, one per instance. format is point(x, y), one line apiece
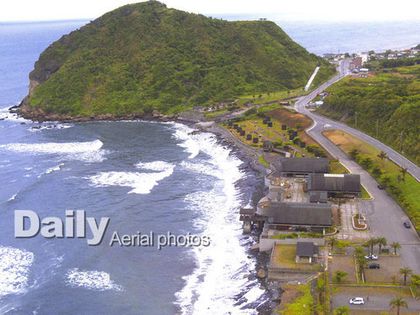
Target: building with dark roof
point(306, 252)
point(334, 183)
point(296, 213)
point(300, 166)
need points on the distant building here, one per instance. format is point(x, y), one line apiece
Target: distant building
point(306, 252)
point(356, 63)
point(333, 184)
point(299, 166)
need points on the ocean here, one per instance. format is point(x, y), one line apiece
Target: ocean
point(146, 177)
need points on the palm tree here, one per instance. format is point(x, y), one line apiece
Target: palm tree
point(403, 171)
point(405, 272)
point(395, 246)
point(397, 303)
point(370, 243)
point(381, 241)
point(382, 155)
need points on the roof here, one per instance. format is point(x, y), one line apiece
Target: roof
point(306, 249)
point(296, 213)
point(334, 182)
point(302, 165)
point(318, 196)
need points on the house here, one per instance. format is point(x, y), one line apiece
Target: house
point(283, 215)
point(306, 252)
point(299, 166)
point(334, 184)
point(356, 63)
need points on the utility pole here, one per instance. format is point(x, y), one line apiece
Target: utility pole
point(401, 140)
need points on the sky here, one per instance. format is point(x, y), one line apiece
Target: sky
point(287, 10)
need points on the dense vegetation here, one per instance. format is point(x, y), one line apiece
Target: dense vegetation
point(146, 56)
point(385, 105)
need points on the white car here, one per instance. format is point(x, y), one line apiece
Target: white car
point(371, 257)
point(357, 301)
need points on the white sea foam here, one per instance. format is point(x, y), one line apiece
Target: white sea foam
point(14, 270)
point(12, 198)
point(50, 127)
point(91, 279)
point(85, 151)
point(140, 182)
point(182, 133)
point(223, 267)
point(6, 115)
point(54, 168)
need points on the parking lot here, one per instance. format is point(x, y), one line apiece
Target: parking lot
point(389, 271)
point(376, 298)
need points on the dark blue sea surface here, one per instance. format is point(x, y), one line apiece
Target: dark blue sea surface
point(146, 177)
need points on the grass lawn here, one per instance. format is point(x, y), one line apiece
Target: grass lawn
point(408, 198)
point(343, 263)
point(297, 299)
point(284, 256)
point(270, 97)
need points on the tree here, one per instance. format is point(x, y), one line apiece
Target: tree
point(354, 154)
point(340, 275)
point(397, 303)
point(376, 172)
point(342, 310)
point(381, 241)
point(382, 155)
point(405, 271)
point(333, 241)
point(395, 246)
point(370, 243)
point(385, 180)
point(366, 163)
point(361, 261)
point(403, 171)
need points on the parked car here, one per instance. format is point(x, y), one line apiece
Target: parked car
point(381, 187)
point(374, 266)
point(357, 301)
point(407, 224)
point(371, 257)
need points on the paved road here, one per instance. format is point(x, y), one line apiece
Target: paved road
point(384, 215)
point(321, 121)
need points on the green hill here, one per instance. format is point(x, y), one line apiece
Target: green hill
point(146, 56)
point(387, 106)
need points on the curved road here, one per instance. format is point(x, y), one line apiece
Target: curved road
point(321, 121)
point(384, 215)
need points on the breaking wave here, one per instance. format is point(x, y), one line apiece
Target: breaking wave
point(93, 280)
point(141, 183)
point(182, 133)
point(84, 151)
point(222, 271)
point(14, 270)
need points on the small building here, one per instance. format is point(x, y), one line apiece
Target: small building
point(334, 184)
point(300, 166)
point(306, 252)
point(268, 146)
